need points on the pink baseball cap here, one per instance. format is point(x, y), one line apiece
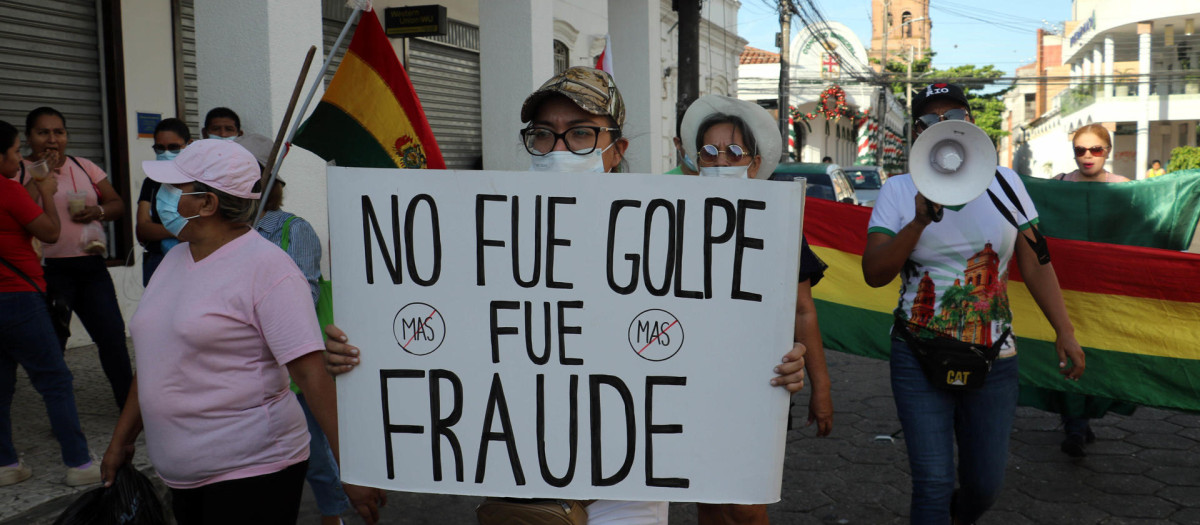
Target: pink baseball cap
point(220, 164)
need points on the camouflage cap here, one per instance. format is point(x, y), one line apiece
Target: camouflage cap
point(591, 89)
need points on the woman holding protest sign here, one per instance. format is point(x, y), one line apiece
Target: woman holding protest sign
point(227, 313)
point(575, 121)
point(953, 363)
point(739, 139)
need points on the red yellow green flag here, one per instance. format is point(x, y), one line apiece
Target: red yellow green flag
point(370, 116)
point(1134, 309)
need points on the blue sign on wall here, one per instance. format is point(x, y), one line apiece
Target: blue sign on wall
point(146, 122)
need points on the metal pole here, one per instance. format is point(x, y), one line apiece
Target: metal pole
point(785, 46)
point(688, 89)
point(883, 68)
point(337, 44)
point(908, 96)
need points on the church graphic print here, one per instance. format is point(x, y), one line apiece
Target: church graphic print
point(966, 309)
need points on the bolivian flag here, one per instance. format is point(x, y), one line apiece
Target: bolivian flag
point(370, 116)
point(1136, 310)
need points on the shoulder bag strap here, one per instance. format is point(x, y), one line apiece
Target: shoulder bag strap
point(1039, 243)
point(287, 233)
point(22, 275)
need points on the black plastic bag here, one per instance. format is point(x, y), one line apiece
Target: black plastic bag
point(130, 500)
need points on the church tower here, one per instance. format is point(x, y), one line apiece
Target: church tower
point(907, 26)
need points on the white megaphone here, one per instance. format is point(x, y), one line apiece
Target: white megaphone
point(952, 162)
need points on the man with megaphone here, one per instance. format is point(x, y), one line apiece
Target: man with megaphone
point(953, 359)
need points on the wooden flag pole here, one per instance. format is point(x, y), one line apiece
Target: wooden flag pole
point(273, 169)
point(273, 160)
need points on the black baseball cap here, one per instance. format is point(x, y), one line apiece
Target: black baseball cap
point(937, 91)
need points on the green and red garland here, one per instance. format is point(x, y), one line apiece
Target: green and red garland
point(832, 106)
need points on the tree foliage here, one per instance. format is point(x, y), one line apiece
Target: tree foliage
point(985, 108)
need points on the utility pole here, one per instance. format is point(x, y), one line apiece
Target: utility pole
point(908, 95)
point(883, 68)
point(688, 88)
point(785, 46)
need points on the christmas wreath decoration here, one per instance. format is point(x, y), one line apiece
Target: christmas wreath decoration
point(832, 106)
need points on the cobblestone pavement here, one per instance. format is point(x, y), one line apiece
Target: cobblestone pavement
point(1143, 469)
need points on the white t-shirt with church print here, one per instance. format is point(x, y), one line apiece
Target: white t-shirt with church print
point(956, 280)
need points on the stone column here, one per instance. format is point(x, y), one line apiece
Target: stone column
point(1108, 65)
point(634, 27)
point(516, 55)
point(1098, 70)
point(1143, 123)
point(248, 56)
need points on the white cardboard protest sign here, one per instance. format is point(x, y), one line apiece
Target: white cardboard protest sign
point(568, 336)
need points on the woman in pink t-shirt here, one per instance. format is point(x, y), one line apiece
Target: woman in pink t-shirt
point(227, 317)
point(75, 268)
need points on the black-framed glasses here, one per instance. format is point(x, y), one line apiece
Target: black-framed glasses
point(580, 140)
point(1096, 151)
point(929, 119)
point(709, 153)
point(160, 149)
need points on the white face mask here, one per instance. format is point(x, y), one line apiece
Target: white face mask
point(730, 172)
point(567, 162)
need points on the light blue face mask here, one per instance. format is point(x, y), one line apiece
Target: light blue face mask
point(229, 138)
point(167, 155)
point(686, 161)
point(167, 202)
point(731, 172)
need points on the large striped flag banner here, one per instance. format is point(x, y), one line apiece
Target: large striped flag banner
point(1134, 311)
point(369, 116)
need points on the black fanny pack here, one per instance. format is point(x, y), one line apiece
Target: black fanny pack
point(947, 362)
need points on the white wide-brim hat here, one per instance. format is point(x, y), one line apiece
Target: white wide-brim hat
point(764, 128)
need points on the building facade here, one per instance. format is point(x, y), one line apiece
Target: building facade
point(110, 64)
point(898, 28)
point(835, 106)
point(1133, 68)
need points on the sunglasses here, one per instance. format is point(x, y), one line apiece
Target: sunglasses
point(1096, 151)
point(160, 149)
point(709, 153)
point(929, 119)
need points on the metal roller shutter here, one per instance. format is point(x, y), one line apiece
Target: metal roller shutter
point(445, 73)
point(50, 56)
point(333, 18)
point(447, 82)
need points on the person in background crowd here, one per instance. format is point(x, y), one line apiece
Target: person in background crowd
point(904, 240)
point(575, 121)
point(1092, 145)
point(26, 335)
point(685, 164)
point(827, 160)
point(1155, 170)
point(221, 123)
point(228, 319)
point(170, 137)
point(297, 237)
point(75, 270)
point(739, 139)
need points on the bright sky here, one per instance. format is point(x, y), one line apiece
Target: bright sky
point(963, 32)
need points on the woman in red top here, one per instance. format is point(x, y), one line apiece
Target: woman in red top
point(26, 336)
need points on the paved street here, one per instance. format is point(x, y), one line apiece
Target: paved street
point(1143, 469)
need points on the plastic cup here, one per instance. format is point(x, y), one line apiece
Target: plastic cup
point(40, 170)
point(76, 201)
